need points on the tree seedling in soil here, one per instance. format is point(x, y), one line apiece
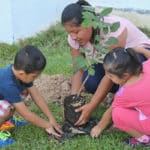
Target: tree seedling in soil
point(100, 46)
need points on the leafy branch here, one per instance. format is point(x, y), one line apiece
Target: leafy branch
point(100, 45)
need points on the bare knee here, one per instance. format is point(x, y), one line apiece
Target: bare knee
point(116, 112)
point(117, 115)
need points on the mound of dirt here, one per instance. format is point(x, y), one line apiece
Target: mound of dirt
point(53, 88)
point(56, 87)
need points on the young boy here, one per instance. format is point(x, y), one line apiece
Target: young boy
point(15, 81)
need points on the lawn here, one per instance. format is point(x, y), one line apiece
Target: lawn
point(54, 46)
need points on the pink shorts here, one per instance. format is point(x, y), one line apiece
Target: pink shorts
point(127, 119)
point(3, 106)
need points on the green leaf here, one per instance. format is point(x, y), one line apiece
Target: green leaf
point(100, 25)
point(80, 62)
point(79, 59)
point(114, 27)
point(97, 22)
point(86, 23)
point(93, 61)
point(97, 19)
point(97, 47)
point(88, 15)
point(88, 19)
point(85, 50)
point(104, 50)
point(105, 12)
point(105, 30)
point(111, 40)
point(91, 71)
point(95, 25)
point(106, 25)
point(89, 8)
point(98, 38)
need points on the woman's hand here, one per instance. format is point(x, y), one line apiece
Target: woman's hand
point(96, 131)
point(138, 49)
point(143, 51)
point(85, 114)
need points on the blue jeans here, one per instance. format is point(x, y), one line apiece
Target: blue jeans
point(93, 81)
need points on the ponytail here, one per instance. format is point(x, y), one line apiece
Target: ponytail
point(83, 3)
point(73, 13)
point(120, 61)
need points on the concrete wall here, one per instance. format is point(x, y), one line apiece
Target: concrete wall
point(130, 4)
point(24, 18)
point(6, 31)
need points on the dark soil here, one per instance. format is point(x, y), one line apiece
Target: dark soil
point(71, 103)
point(71, 131)
point(56, 89)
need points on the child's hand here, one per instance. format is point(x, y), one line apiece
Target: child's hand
point(96, 131)
point(57, 127)
point(54, 129)
point(51, 130)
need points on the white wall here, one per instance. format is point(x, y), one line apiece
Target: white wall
point(133, 4)
point(6, 31)
point(24, 18)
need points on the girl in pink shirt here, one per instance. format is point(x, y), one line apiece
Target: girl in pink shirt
point(128, 35)
point(130, 108)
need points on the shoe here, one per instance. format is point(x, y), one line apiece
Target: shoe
point(134, 142)
point(8, 125)
point(4, 138)
point(18, 121)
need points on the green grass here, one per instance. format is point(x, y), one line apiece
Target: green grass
point(31, 137)
point(53, 44)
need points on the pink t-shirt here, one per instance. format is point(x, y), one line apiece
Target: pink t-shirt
point(137, 95)
point(134, 36)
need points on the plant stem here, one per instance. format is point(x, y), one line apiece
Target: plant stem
point(82, 85)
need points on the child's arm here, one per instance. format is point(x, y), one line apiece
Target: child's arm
point(41, 103)
point(50, 126)
point(34, 119)
point(103, 123)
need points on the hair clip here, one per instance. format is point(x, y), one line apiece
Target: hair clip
point(115, 56)
point(125, 50)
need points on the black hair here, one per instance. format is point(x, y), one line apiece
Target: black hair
point(29, 59)
point(72, 13)
point(120, 61)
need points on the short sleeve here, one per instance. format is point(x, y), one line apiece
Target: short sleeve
point(13, 92)
point(74, 44)
point(28, 85)
point(12, 95)
point(113, 19)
